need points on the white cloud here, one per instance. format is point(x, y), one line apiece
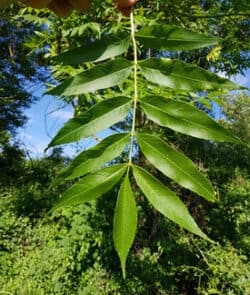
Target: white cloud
point(61, 114)
point(37, 150)
point(25, 136)
point(32, 144)
point(241, 80)
point(222, 74)
point(238, 79)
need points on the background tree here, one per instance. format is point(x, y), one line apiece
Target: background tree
point(18, 70)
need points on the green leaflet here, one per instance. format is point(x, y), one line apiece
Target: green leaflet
point(101, 116)
point(173, 38)
point(125, 222)
point(93, 158)
point(92, 27)
point(102, 76)
point(96, 51)
point(177, 74)
point(185, 118)
point(165, 201)
point(175, 165)
point(92, 186)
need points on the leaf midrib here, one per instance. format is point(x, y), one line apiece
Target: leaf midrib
point(156, 196)
point(92, 121)
point(154, 149)
point(173, 39)
point(113, 175)
point(104, 54)
point(175, 117)
point(109, 148)
point(179, 76)
point(123, 234)
point(98, 78)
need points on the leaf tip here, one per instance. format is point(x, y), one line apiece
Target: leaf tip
point(52, 210)
point(46, 149)
point(51, 144)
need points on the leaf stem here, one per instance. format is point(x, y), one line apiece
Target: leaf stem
point(132, 26)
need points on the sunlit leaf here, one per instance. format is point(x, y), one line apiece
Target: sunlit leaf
point(173, 38)
point(93, 158)
point(102, 76)
point(165, 201)
point(177, 74)
point(92, 186)
point(96, 51)
point(125, 222)
point(175, 165)
point(185, 118)
point(101, 116)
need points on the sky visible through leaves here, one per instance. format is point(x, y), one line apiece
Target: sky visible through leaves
point(48, 115)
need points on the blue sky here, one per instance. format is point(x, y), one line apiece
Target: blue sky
point(45, 118)
point(48, 115)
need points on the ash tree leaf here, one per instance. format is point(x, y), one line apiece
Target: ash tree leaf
point(179, 75)
point(185, 118)
point(165, 201)
point(99, 117)
point(108, 74)
point(175, 165)
point(95, 51)
point(91, 186)
point(125, 222)
point(93, 158)
point(173, 38)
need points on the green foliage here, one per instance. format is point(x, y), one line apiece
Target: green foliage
point(175, 165)
point(230, 218)
point(102, 76)
point(96, 51)
point(226, 19)
point(16, 69)
point(33, 257)
point(179, 75)
point(165, 201)
point(69, 257)
point(173, 38)
point(100, 116)
point(174, 74)
point(228, 272)
point(92, 186)
point(185, 118)
point(71, 253)
point(11, 161)
point(89, 160)
point(125, 222)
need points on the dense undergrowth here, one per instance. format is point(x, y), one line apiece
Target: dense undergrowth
point(71, 251)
